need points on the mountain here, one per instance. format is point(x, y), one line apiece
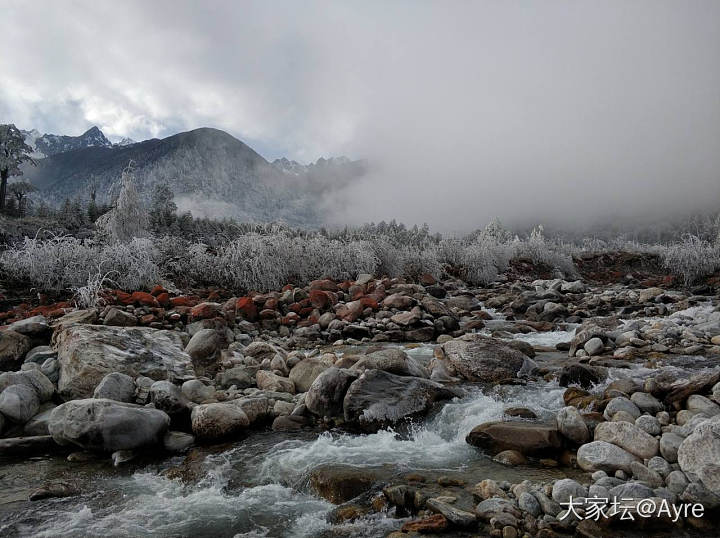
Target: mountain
point(211, 173)
point(46, 145)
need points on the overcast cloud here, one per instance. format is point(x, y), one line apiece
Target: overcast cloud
point(465, 110)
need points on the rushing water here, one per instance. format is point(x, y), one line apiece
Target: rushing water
point(259, 486)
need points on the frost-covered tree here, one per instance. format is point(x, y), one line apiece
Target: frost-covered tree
point(128, 219)
point(20, 191)
point(13, 152)
point(163, 207)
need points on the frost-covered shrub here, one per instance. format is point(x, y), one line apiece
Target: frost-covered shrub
point(692, 258)
point(129, 218)
point(539, 251)
point(66, 262)
point(416, 261)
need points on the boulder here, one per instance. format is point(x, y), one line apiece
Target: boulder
point(399, 301)
point(34, 327)
point(216, 421)
point(39, 424)
point(392, 360)
point(621, 403)
point(203, 346)
point(116, 386)
point(119, 318)
point(304, 373)
point(169, 398)
point(325, 396)
point(13, 347)
point(19, 403)
point(268, 381)
point(571, 425)
point(529, 438)
point(699, 454)
point(594, 346)
point(483, 359)
point(578, 374)
point(629, 437)
point(33, 378)
point(377, 398)
point(341, 483)
point(88, 352)
point(107, 425)
point(604, 456)
point(565, 488)
point(647, 403)
point(196, 391)
point(669, 446)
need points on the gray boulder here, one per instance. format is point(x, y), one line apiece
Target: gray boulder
point(238, 376)
point(33, 378)
point(647, 403)
point(269, 381)
point(378, 398)
point(19, 403)
point(34, 327)
point(107, 425)
point(604, 456)
point(567, 487)
point(571, 425)
point(196, 391)
point(621, 403)
point(699, 455)
point(392, 360)
point(119, 318)
point(169, 398)
point(88, 352)
point(325, 396)
point(305, 372)
point(39, 424)
point(116, 386)
point(215, 421)
point(13, 347)
point(669, 445)
point(629, 437)
point(482, 359)
point(203, 345)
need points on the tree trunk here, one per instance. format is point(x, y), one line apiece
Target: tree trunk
point(3, 187)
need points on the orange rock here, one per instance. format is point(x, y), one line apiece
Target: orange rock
point(184, 300)
point(369, 302)
point(147, 319)
point(144, 298)
point(432, 524)
point(245, 307)
point(205, 311)
point(323, 285)
point(157, 290)
point(123, 298)
point(322, 299)
point(163, 298)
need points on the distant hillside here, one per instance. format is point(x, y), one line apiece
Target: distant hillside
point(211, 173)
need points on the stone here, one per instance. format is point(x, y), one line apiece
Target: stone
point(268, 381)
point(528, 503)
point(203, 346)
point(456, 516)
point(526, 437)
point(566, 488)
point(54, 490)
point(621, 403)
point(107, 425)
point(699, 454)
point(676, 482)
point(604, 456)
point(13, 347)
point(632, 490)
point(27, 446)
point(482, 359)
point(88, 352)
point(377, 398)
point(648, 424)
point(19, 403)
point(119, 318)
point(325, 396)
point(571, 425)
point(116, 386)
point(169, 398)
point(35, 326)
point(392, 360)
point(594, 346)
point(578, 374)
point(647, 403)
point(305, 372)
point(398, 301)
point(215, 421)
point(196, 391)
point(34, 379)
point(510, 457)
point(701, 404)
point(660, 466)
point(629, 437)
point(669, 445)
point(487, 489)
point(489, 507)
point(239, 376)
point(177, 442)
point(644, 474)
point(434, 524)
point(341, 483)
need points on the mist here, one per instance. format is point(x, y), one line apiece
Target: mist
point(563, 112)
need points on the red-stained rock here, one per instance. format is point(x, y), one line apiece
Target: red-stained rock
point(245, 307)
point(157, 290)
point(271, 303)
point(323, 285)
point(369, 302)
point(436, 523)
point(147, 319)
point(144, 298)
point(345, 285)
point(322, 299)
point(313, 318)
point(426, 279)
point(356, 291)
point(295, 307)
point(305, 312)
point(205, 310)
point(350, 311)
point(214, 296)
point(290, 319)
point(184, 300)
point(123, 298)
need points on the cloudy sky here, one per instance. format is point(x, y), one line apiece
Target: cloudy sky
point(465, 110)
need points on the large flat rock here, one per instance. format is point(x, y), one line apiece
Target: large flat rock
point(87, 353)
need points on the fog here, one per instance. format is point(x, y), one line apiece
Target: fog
point(529, 111)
